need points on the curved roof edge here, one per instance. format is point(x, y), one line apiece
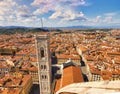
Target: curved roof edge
point(102, 87)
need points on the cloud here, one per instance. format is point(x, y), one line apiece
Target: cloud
point(7, 9)
point(42, 2)
point(110, 14)
point(1, 18)
point(109, 17)
point(12, 13)
point(77, 3)
point(42, 10)
point(59, 9)
point(45, 6)
point(7, 3)
point(39, 3)
point(103, 19)
point(68, 15)
point(24, 11)
point(6, 6)
point(97, 19)
point(32, 19)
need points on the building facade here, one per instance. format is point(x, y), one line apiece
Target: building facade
point(44, 63)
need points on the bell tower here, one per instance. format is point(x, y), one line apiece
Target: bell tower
point(44, 63)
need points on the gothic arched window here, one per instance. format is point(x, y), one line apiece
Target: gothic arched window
point(45, 77)
point(42, 76)
point(41, 66)
point(45, 67)
point(42, 53)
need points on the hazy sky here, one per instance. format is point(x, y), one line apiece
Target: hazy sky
point(55, 13)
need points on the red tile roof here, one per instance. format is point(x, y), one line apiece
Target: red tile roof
point(106, 75)
point(57, 86)
point(71, 74)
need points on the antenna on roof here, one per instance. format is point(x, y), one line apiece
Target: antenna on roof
point(41, 23)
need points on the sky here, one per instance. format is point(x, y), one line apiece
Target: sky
point(59, 13)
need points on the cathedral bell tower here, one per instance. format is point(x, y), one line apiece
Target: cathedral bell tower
point(44, 63)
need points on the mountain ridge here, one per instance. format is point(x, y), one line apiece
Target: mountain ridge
point(66, 27)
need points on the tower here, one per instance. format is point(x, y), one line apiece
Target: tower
point(44, 63)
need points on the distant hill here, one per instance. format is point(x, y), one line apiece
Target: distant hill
point(19, 29)
point(76, 27)
point(23, 29)
point(66, 27)
point(89, 27)
point(10, 27)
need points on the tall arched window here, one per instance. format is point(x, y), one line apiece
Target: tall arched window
point(42, 53)
point(41, 66)
point(42, 76)
point(45, 67)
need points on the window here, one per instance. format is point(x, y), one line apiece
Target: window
point(45, 77)
point(42, 52)
point(41, 66)
point(44, 66)
point(42, 76)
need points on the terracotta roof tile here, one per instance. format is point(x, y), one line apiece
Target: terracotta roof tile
point(71, 74)
point(57, 85)
point(106, 75)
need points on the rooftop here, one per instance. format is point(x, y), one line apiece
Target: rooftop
point(104, 87)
